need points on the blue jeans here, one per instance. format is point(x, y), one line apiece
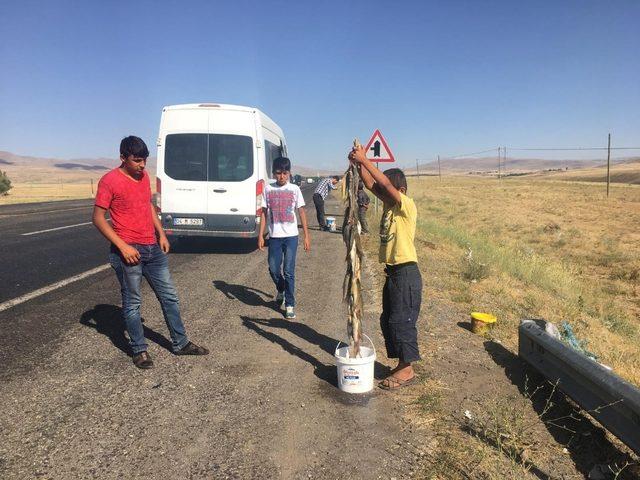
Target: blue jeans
point(284, 276)
point(154, 266)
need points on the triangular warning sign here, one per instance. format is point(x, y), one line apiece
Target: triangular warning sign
point(378, 150)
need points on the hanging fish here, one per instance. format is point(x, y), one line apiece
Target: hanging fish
point(352, 286)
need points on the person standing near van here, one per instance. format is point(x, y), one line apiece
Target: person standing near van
point(321, 192)
point(402, 292)
point(139, 248)
point(280, 202)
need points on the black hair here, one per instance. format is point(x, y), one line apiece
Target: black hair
point(360, 185)
point(336, 177)
point(281, 163)
point(133, 146)
point(397, 178)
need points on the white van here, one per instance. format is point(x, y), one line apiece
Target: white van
point(213, 163)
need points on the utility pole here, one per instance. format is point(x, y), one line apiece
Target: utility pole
point(439, 171)
point(504, 163)
point(499, 163)
point(417, 168)
point(608, 162)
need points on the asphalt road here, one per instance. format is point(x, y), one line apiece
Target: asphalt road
point(264, 404)
point(45, 243)
point(37, 250)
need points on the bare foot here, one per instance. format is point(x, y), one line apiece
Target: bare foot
point(404, 371)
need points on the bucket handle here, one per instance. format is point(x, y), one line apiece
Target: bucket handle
point(365, 336)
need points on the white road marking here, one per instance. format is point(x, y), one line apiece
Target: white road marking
point(49, 288)
point(54, 229)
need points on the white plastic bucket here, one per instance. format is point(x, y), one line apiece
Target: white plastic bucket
point(355, 375)
point(331, 223)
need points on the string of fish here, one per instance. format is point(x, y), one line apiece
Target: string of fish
point(352, 284)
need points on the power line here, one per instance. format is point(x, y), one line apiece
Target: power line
point(469, 154)
point(575, 148)
point(534, 149)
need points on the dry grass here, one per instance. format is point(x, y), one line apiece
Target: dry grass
point(555, 250)
point(519, 248)
point(40, 184)
point(45, 192)
point(619, 173)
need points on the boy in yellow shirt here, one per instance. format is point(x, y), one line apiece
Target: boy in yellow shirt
point(402, 293)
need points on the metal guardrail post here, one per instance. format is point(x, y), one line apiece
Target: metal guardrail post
point(587, 382)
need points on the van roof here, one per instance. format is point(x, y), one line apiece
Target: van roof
point(221, 106)
point(266, 120)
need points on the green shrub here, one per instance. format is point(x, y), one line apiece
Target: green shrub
point(5, 183)
point(472, 269)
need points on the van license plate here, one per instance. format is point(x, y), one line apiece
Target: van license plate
point(187, 221)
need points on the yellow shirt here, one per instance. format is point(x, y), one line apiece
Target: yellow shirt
point(397, 231)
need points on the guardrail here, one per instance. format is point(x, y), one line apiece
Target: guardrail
point(608, 398)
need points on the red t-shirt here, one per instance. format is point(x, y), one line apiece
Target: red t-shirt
point(129, 204)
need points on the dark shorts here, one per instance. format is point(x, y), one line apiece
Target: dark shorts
point(401, 299)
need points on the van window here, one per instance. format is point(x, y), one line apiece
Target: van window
point(271, 152)
point(185, 156)
point(230, 158)
point(208, 157)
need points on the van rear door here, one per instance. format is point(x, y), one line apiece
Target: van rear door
point(184, 187)
point(232, 165)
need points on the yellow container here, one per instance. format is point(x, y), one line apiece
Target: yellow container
point(482, 322)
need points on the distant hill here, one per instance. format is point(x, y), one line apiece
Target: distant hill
point(621, 172)
point(70, 166)
point(310, 172)
point(42, 170)
point(489, 165)
point(25, 160)
point(23, 168)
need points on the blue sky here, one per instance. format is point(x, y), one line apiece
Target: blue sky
point(444, 77)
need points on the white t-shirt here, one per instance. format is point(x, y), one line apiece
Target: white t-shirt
point(281, 203)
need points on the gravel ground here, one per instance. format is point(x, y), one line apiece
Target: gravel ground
point(263, 404)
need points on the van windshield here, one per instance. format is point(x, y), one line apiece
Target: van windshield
point(208, 157)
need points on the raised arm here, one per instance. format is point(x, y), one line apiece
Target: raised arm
point(374, 179)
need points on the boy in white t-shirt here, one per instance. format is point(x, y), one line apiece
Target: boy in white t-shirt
point(279, 204)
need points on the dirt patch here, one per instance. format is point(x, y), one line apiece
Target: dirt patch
point(264, 404)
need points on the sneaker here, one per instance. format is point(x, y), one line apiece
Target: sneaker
point(143, 360)
point(192, 349)
point(280, 299)
point(289, 313)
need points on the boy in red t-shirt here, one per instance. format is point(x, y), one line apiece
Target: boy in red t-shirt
point(135, 252)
